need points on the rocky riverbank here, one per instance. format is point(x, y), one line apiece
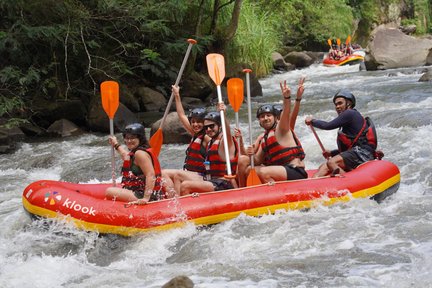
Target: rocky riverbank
point(389, 47)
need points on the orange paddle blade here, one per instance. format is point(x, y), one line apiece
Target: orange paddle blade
point(338, 41)
point(348, 40)
point(235, 93)
point(329, 42)
point(216, 67)
point(110, 97)
point(156, 141)
point(253, 178)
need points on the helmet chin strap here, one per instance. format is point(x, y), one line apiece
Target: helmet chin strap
point(273, 126)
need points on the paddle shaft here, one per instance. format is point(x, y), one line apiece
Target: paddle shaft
point(248, 95)
point(317, 138)
point(113, 165)
point(224, 129)
point(183, 65)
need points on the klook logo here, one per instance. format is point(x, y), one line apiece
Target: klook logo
point(52, 197)
point(78, 207)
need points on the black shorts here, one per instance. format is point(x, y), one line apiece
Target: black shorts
point(356, 156)
point(221, 184)
point(156, 195)
point(294, 173)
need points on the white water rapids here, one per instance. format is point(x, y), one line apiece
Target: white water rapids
point(356, 244)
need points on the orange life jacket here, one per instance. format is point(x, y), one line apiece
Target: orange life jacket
point(276, 154)
point(137, 182)
point(218, 166)
point(194, 160)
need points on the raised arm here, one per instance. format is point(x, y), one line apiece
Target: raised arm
point(296, 108)
point(180, 111)
point(284, 125)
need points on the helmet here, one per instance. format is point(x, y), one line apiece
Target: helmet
point(344, 93)
point(267, 108)
point(278, 109)
point(213, 116)
point(135, 129)
point(197, 113)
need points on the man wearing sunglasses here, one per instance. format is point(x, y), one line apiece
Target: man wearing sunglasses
point(216, 157)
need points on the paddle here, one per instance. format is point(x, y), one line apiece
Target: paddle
point(216, 70)
point(110, 103)
point(329, 41)
point(347, 43)
point(235, 96)
point(156, 139)
point(252, 178)
point(318, 139)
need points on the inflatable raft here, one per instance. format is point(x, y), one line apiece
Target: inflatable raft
point(355, 58)
point(84, 204)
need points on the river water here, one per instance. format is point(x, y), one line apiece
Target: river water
point(356, 244)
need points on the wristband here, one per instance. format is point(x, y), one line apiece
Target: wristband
point(298, 100)
point(289, 97)
point(116, 146)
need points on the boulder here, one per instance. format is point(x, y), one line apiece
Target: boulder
point(150, 100)
point(173, 130)
point(179, 282)
point(390, 48)
point(196, 85)
point(46, 111)
point(426, 77)
point(299, 59)
point(9, 137)
point(64, 128)
point(279, 62)
point(237, 71)
point(98, 120)
point(127, 97)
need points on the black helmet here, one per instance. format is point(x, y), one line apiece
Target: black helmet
point(198, 113)
point(267, 108)
point(278, 109)
point(344, 93)
point(213, 116)
point(135, 129)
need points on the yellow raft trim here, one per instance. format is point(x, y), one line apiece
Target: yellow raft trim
point(351, 59)
point(130, 231)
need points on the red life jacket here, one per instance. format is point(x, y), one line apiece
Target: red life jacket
point(218, 166)
point(276, 154)
point(137, 182)
point(367, 137)
point(194, 160)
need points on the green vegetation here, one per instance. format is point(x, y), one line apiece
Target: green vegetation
point(62, 50)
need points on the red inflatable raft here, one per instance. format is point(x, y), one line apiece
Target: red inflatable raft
point(354, 58)
point(85, 206)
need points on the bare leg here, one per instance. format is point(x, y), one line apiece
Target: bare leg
point(336, 162)
point(188, 187)
point(271, 173)
point(182, 176)
point(243, 170)
point(116, 193)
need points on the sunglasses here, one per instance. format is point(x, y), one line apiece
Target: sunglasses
point(211, 126)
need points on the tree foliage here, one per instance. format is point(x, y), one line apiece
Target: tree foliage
point(64, 49)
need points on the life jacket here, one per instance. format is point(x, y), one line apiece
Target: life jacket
point(195, 157)
point(367, 137)
point(218, 167)
point(276, 154)
point(133, 177)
